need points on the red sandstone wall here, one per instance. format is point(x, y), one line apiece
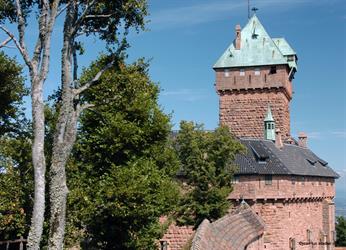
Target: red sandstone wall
point(265, 80)
point(243, 112)
point(254, 187)
point(244, 100)
point(312, 208)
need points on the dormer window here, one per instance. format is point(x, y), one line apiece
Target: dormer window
point(272, 70)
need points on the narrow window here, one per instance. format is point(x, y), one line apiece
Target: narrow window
point(265, 77)
point(268, 179)
point(164, 245)
point(226, 73)
point(272, 70)
point(257, 72)
point(309, 235)
point(234, 81)
point(249, 78)
point(293, 180)
point(303, 180)
point(292, 244)
point(235, 179)
point(241, 72)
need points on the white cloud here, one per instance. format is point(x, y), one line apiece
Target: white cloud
point(206, 11)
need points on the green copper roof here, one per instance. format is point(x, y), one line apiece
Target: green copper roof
point(257, 48)
point(269, 116)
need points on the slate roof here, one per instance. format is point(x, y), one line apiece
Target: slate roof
point(263, 158)
point(257, 48)
point(232, 232)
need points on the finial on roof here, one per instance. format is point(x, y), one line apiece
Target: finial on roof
point(254, 9)
point(269, 125)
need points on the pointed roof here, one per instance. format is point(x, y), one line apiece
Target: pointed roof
point(269, 116)
point(257, 48)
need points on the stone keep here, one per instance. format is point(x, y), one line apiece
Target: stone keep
point(255, 71)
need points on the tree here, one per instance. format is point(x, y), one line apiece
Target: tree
point(121, 175)
point(340, 228)
point(15, 157)
point(206, 161)
point(16, 186)
point(12, 92)
point(110, 21)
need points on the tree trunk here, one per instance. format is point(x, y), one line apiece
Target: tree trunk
point(39, 163)
point(64, 138)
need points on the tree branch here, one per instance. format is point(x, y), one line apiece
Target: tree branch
point(82, 16)
point(98, 16)
point(4, 43)
point(22, 51)
point(92, 81)
point(47, 37)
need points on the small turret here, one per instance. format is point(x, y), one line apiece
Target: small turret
point(269, 125)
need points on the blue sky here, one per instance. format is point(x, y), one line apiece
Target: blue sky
point(186, 37)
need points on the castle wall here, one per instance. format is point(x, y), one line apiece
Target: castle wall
point(282, 187)
point(290, 210)
point(244, 99)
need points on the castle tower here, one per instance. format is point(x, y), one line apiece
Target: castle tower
point(255, 71)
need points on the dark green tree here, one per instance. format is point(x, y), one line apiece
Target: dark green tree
point(108, 20)
point(206, 161)
point(12, 91)
point(120, 177)
point(16, 186)
point(340, 228)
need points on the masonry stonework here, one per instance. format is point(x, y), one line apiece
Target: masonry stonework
point(244, 99)
point(291, 208)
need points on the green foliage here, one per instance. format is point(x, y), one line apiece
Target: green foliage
point(16, 186)
point(12, 91)
point(206, 164)
point(340, 228)
point(120, 176)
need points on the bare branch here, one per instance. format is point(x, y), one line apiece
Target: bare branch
point(22, 51)
point(98, 16)
point(4, 43)
point(62, 9)
point(94, 80)
point(47, 38)
point(83, 15)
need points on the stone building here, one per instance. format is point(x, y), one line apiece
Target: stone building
point(283, 192)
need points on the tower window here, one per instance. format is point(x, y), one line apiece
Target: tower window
point(303, 180)
point(235, 179)
point(241, 72)
point(257, 72)
point(292, 244)
point(293, 180)
point(272, 70)
point(309, 235)
point(268, 179)
point(226, 73)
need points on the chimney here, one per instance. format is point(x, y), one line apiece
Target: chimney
point(237, 36)
point(278, 140)
point(303, 140)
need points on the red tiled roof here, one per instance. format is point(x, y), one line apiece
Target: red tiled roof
point(233, 231)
